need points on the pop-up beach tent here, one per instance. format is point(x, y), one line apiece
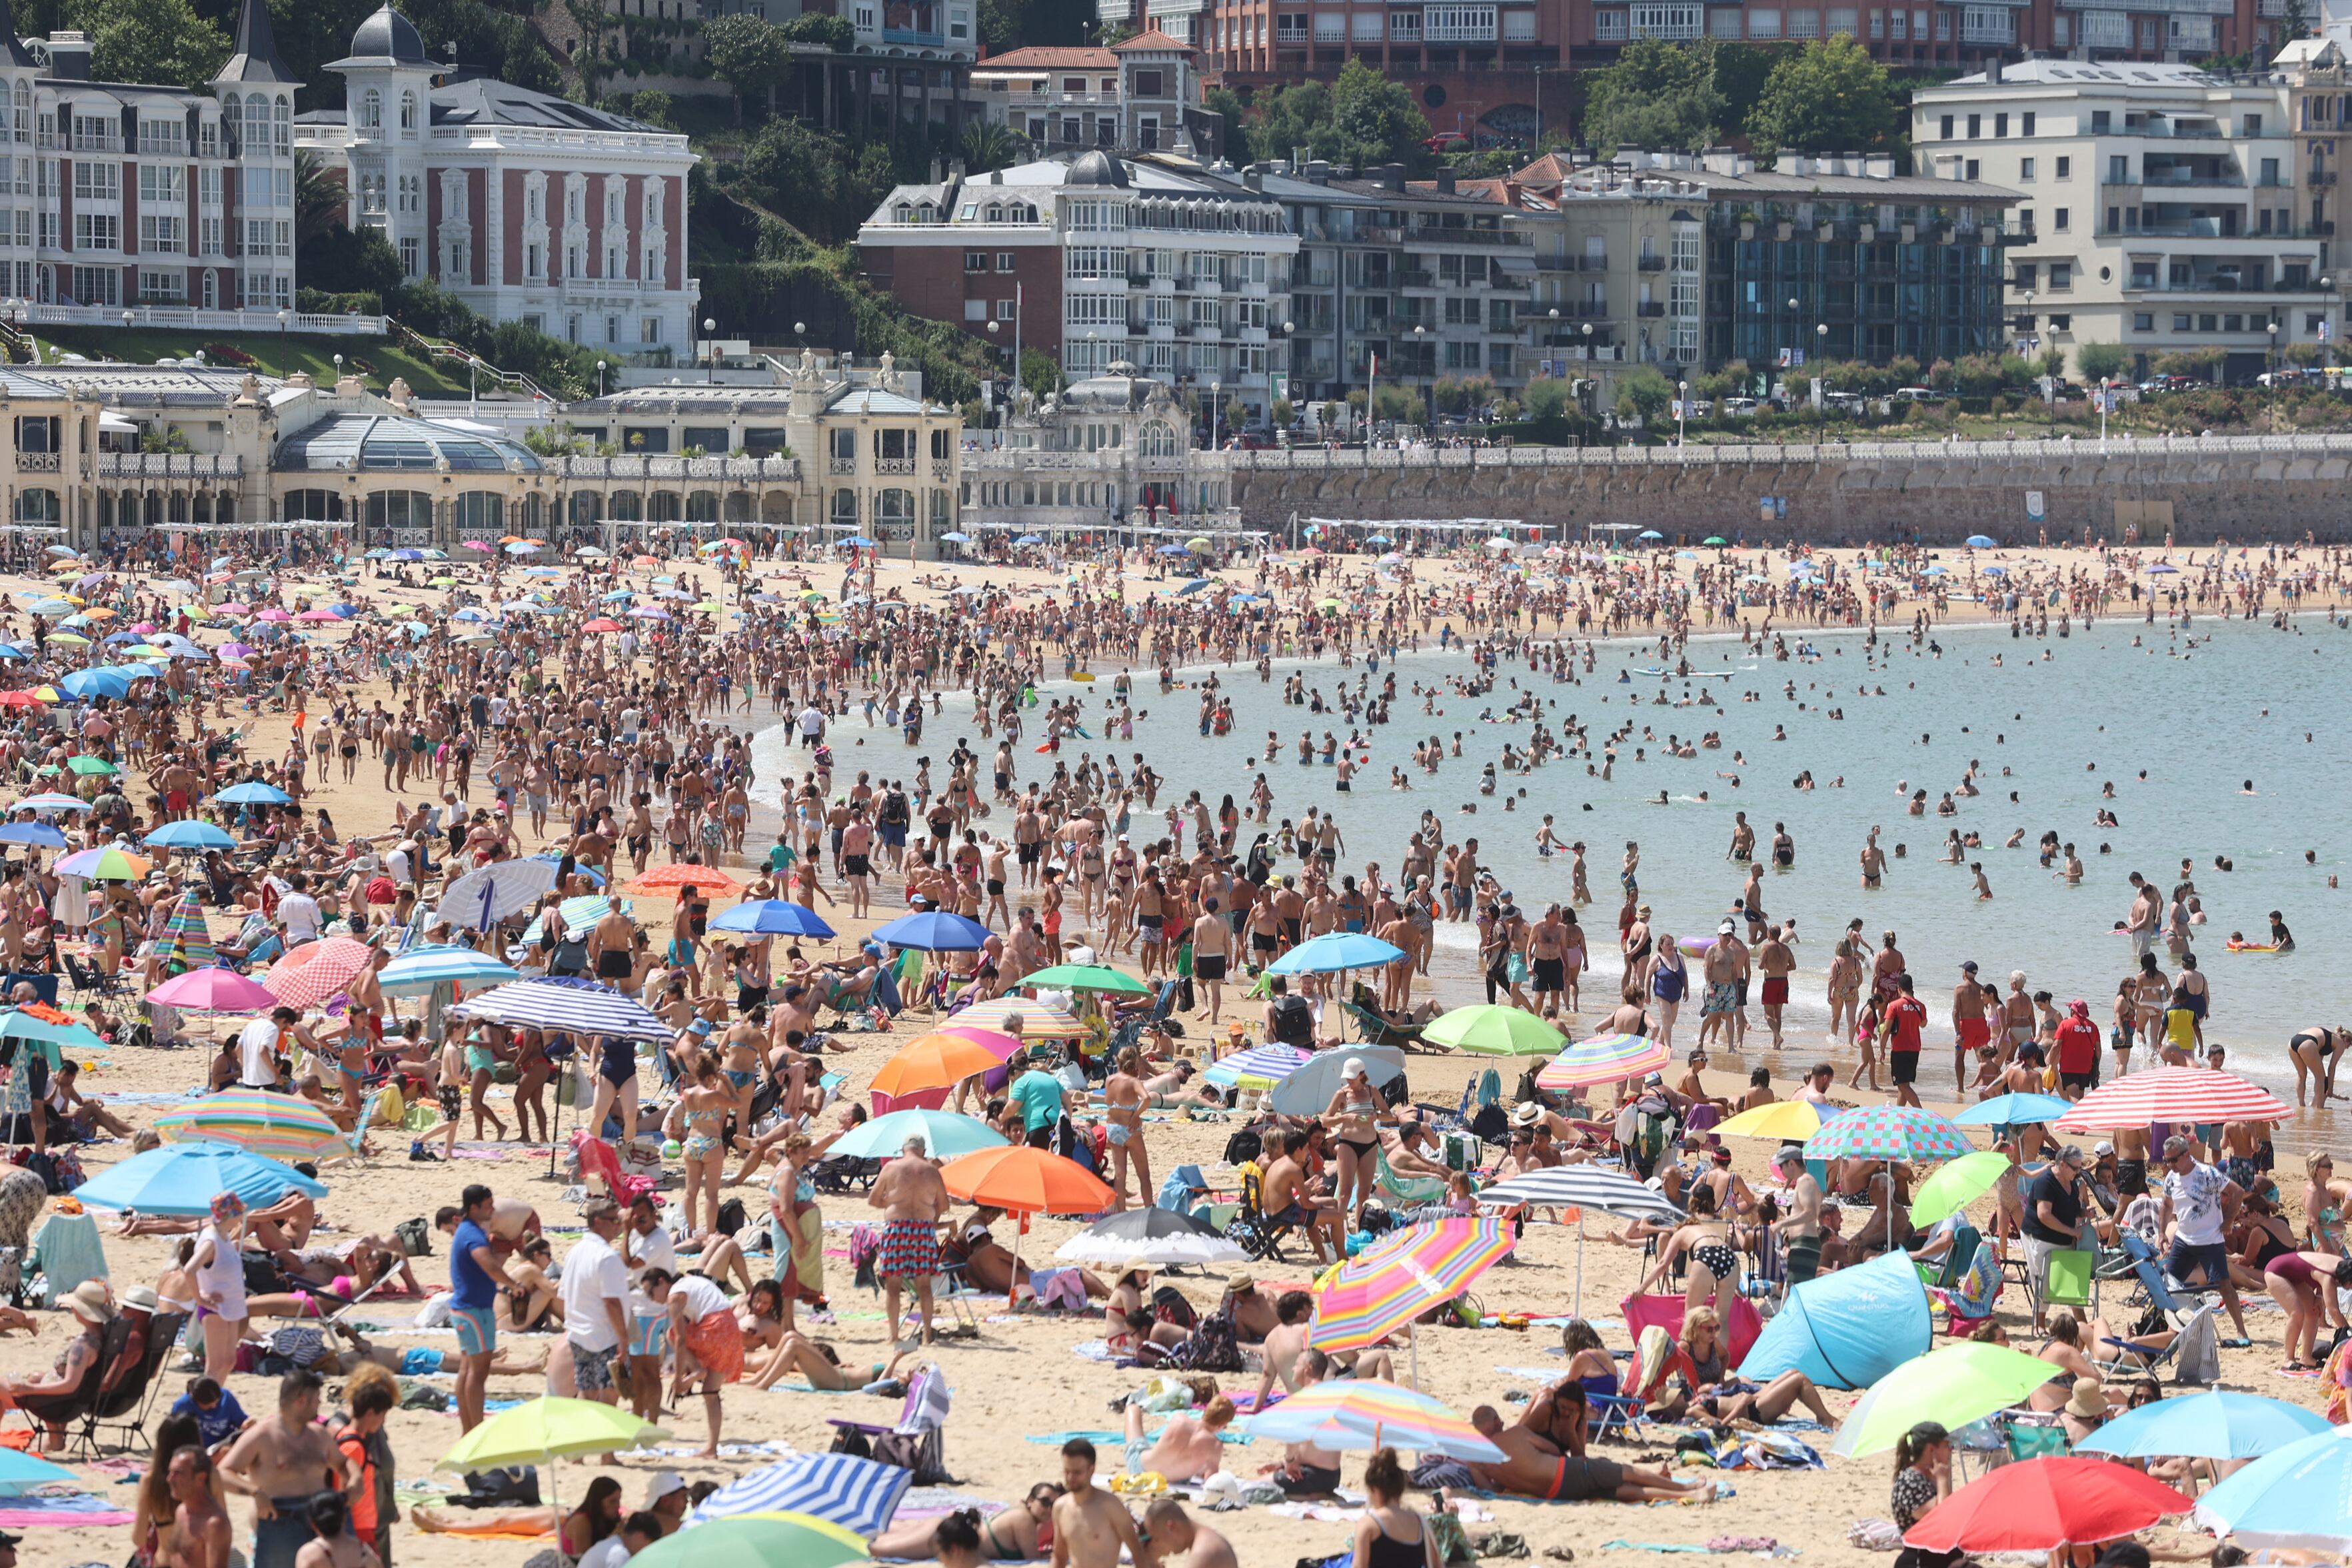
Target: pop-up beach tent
point(1849, 1329)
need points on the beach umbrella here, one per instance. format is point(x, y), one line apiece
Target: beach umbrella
point(1087, 978)
point(253, 792)
point(2296, 1496)
point(1848, 1329)
point(1603, 1059)
point(1307, 1091)
point(933, 931)
point(2015, 1111)
point(2214, 1425)
point(318, 615)
point(1956, 1185)
point(308, 975)
point(189, 835)
point(1386, 1286)
point(213, 990)
point(1335, 951)
point(91, 768)
point(20, 698)
point(188, 941)
point(1023, 1180)
point(1583, 1186)
point(2036, 1505)
point(603, 624)
point(2164, 568)
point(233, 650)
point(1039, 1020)
point(1258, 1066)
point(945, 1135)
point(47, 1025)
point(1790, 1121)
point(773, 917)
point(939, 1059)
point(88, 684)
point(668, 879)
point(483, 546)
point(1366, 1413)
point(51, 802)
point(857, 1495)
point(1489, 1030)
point(2172, 1094)
point(106, 864)
point(1981, 541)
point(577, 914)
point(574, 1006)
point(766, 1539)
point(493, 894)
point(258, 1121)
point(1651, 534)
point(1887, 1132)
point(68, 640)
point(1160, 1236)
point(420, 969)
point(38, 835)
point(539, 1431)
point(1951, 1386)
point(182, 1179)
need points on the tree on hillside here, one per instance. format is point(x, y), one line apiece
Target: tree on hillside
point(1239, 145)
point(815, 177)
point(748, 52)
point(1642, 394)
point(310, 32)
point(320, 200)
point(1828, 97)
point(1289, 120)
point(834, 33)
point(1741, 72)
point(2293, 21)
point(1657, 96)
point(149, 41)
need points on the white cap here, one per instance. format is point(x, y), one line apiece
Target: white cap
point(662, 1483)
point(1352, 1068)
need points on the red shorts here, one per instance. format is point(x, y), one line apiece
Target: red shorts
point(1973, 1032)
point(1776, 989)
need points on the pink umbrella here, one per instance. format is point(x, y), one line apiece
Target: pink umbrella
point(327, 615)
point(995, 1041)
point(143, 627)
point(213, 990)
point(236, 607)
point(273, 613)
point(477, 544)
point(316, 970)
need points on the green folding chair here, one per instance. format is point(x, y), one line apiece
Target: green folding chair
point(2066, 1278)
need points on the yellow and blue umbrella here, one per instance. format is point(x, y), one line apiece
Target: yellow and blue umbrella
point(258, 1121)
point(1386, 1287)
point(1368, 1413)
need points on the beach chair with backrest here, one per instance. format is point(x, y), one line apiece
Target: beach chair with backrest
point(917, 1440)
point(78, 1405)
point(1405, 1192)
point(600, 1164)
point(2034, 1438)
point(2130, 1357)
point(1969, 1300)
point(123, 1406)
point(1251, 1229)
point(2152, 1289)
point(2066, 1280)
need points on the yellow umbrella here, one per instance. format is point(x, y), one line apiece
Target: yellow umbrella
point(71, 639)
point(1790, 1121)
point(99, 615)
point(63, 567)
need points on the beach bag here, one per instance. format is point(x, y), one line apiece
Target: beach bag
point(1243, 1147)
point(851, 1441)
point(864, 1249)
point(2198, 1352)
point(416, 1236)
point(1212, 1346)
point(1169, 1306)
point(1491, 1125)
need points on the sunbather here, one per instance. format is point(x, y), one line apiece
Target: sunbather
point(1022, 1533)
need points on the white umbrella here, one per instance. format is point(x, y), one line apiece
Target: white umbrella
point(1307, 1091)
point(481, 899)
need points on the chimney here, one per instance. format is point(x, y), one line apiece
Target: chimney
point(70, 56)
point(1992, 71)
point(1253, 177)
point(1446, 178)
point(1319, 171)
point(1391, 176)
point(1880, 166)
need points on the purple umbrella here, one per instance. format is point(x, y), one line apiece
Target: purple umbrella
point(235, 651)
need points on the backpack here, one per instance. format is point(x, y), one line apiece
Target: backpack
point(1491, 1125)
point(731, 1217)
point(1294, 1021)
point(1169, 1306)
point(864, 1249)
point(1212, 1346)
point(1243, 1147)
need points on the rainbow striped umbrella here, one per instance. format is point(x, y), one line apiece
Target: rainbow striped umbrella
point(1384, 1288)
point(107, 864)
point(1370, 1414)
point(1038, 1021)
point(1888, 1132)
point(258, 1121)
point(1603, 1059)
point(189, 941)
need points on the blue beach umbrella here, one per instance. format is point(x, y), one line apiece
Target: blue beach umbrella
point(859, 1495)
point(773, 917)
point(1334, 951)
point(577, 1006)
point(1849, 1329)
point(40, 835)
point(253, 792)
point(181, 1178)
point(2215, 1425)
point(419, 969)
point(933, 931)
point(2015, 1111)
point(2300, 1495)
point(945, 1135)
point(1982, 541)
point(189, 835)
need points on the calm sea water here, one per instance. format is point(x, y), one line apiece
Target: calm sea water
point(2177, 723)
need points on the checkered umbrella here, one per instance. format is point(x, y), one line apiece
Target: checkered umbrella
point(315, 971)
point(1888, 1132)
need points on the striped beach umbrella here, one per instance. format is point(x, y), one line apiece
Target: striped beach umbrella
point(419, 969)
point(579, 914)
point(187, 937)
point(1386, 1287)
point(1367, 1413)
point(1038, 1021)
point(1888, 1132)
point(579, 1006)
point(1258, 1067)
point(1603, 1059)
point(52, 801)
point(859, 1495)
point(2173, 1095)
point(1583, 1186)
point(315, 971)
point(106, 864)
point(258, 1121)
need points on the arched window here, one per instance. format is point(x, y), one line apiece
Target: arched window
point(739, 507)
point(894, 507)
point(587, 508)
point(256, 125)
point(39, 507)
point(628, 506)
point(662, 506)
point(845, 508)
point(776, 508)
point(702, 506)
point(372, 109)
point(399, 509)
point(479, 512)
point(1159, 439)
point(313, 507)
point(529, 515)
point(408, 113)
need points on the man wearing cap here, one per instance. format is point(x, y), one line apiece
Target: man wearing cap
point(1726, 971)
point(1970, 1025)
point(2054, 1221)
point(2199, 1204)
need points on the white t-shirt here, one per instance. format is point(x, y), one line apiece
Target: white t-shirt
point(701, 1297)
point(499, 706)
point(300, 911)
point(593, 1275)
point(2196, 1205)
point(609, 1553)
point(258, 1054)
point(658, 1250)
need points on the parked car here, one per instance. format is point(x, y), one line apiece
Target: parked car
point(1917, 395)
point(1739, 408)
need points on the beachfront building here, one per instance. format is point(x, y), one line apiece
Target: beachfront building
point(528, 206)
point(2318, 74)
point(852, 450)
point(1097, 260)
point(2157, 205)
point(1620, 269)
point(1108, 451)
point(1139, 96)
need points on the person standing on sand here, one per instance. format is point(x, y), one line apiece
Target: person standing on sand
point(279, 1464)
point(1213, 947)
point(1970, 1026)
point(1775, 962)
point(911, 1198)
point(1090, 1525)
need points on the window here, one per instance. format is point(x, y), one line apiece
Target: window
point(96, 285)
point(2061, 275)
point(2025, 169)
point(408, 113)
point(2143, 320)
point(2026, 274)
point(2102, 121)
point(97, 180)
point(1006, 261)
point(1948, 128)
point(1365, 26)
point(97, 231)
point(973, 261)
point(162, 184)
point(2059, 220)
point(2254, 125)
point(1842, 20)
point(1008, 310)
point(1805, 24)
point(1764, 23)
point(2025, 123)
point(1973, 169)
point(1877, 26)
point(408, 251)
point(209, 236)
point(1609, 26)
point(371, 110)
point(162, 288)
point(160, 232)
point(1999, 125)
point(1976, 126)
point(2065, 168)
point(1652, 21)
point(1723, 22)
point(1328, 29)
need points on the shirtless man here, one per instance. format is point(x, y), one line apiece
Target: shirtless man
point(612, 946)
point(201, 1533)
point(1171, 1530)
point(1286, 1198)
point(1547, 959)
point(1212, 946)
point(1970, 1026)
point(1252, 1308)
point(911, 1198)
point(1286, 1345)
point(1534, 1466)
point(1775, 962)
point(1800, 1228)
point(1189, 1447)
point(280, 1464)
point(1090, 1525)
point(1727, 968)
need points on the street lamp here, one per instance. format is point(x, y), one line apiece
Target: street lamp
point(1821, 409)
point(710, 376)
point(600, 378)
point(1216, 395)
point(1682, 410)
point(1428, 372)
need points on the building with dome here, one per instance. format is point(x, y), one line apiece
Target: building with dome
point(527, 207)
point(1097, 259)
point(1115, 450)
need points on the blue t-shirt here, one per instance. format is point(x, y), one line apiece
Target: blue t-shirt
point(1040, 1097)
point(221, 1421)
point(471, 1284)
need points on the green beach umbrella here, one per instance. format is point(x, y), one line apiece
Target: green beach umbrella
point(1957, 1185)
point(540, 1430)
point(1086, 978)
point(1952, 1386)
point(759, 1540)
point(1489, 1030)
point(89, 765)
point(1714, 539)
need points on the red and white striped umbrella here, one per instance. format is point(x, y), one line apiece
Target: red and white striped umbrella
point(2173, 1095)
point(316, 971)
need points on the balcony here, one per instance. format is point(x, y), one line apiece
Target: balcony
point(894, 465)
point(1033, 98)
point(1416, 278)
point(1650, 310)
point(840, 465)
point(1436, 234)
point(2181, 177)
point(1592, 264)
point(1650, 264)
point(910, 38)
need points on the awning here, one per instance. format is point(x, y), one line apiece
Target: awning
point(109, 419)
point(1516, 263)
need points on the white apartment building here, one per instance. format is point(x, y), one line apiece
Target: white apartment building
point(1141, 95)
point(527, 207)
point(2160, 205)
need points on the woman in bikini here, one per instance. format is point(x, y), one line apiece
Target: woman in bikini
point(1022, 1533)
point(2313, 1052)
point(1354, 1118)
point(821, 1363)
point(1714, 1261)
point(1844, 990)
point(706, 1105)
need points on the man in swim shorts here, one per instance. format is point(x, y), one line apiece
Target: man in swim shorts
point(612, 945)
